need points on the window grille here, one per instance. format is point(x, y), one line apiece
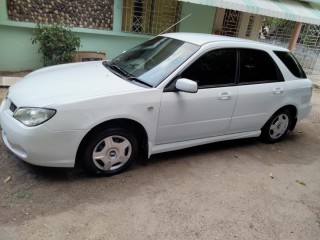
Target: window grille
point(276, 31)
point(149, 16)
point(279, 32)
point(308, 48)
point(310, 35)
point(231, 22)
point(250, 26)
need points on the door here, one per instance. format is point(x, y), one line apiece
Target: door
point(186, 116)
point(261, 91)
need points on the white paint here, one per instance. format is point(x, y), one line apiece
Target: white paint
point(87, 94)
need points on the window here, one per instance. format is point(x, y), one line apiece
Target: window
point(137, 16)
point(291, 63)
point(156, 59)
point(231, 23)
point(149, 16)
point(257, 66)
point(213, 68)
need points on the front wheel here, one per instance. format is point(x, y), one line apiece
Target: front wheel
point(110, 151)
point(277, 126)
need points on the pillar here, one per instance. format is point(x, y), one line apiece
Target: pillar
point(3, 10)
point(294, 39)
point(117, 15)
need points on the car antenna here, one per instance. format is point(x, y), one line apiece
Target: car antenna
point(172, 25)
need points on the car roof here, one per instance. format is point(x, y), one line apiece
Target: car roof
point(203, 38)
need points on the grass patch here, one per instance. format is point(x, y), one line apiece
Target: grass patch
point(19, 194)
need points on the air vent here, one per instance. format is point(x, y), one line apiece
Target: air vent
point(13, 107)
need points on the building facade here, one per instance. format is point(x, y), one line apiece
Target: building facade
point(112, 26)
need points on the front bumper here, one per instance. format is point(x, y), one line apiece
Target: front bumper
point(39, 145)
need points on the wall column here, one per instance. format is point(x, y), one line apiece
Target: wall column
point(244, 25)
point(257, 23)
point(295, 36)
point(3, 10)
point(117, 15)
point(218, 21)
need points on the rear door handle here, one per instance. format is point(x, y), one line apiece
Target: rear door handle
point(277, 90)
point(225, 96)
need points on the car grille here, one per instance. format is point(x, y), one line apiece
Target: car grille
point(13, 107)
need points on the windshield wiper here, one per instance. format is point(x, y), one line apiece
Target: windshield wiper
point(135, 79)
point(128, 76)
point(115, 67)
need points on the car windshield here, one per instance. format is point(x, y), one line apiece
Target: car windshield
point(153, 61)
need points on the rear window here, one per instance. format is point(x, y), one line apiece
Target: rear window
point(291, 63)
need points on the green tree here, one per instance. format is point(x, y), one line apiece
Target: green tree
point(56, 44)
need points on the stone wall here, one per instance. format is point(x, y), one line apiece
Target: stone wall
point(96, 14)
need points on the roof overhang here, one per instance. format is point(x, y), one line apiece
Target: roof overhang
point(298, 11)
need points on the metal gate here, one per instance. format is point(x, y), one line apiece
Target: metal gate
point(279, 32)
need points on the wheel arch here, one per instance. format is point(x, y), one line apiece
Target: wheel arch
point(135, 127)
point(293, 111)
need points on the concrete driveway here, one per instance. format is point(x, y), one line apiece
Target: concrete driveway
point(217, 191)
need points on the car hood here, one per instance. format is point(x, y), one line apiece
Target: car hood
point(68, 82)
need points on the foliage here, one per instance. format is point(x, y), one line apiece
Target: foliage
point(57, 44)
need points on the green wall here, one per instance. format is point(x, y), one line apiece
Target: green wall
point(201, 19)
point(17, 52)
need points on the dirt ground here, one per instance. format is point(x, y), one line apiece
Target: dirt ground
point(15, 74)
point(217, 191)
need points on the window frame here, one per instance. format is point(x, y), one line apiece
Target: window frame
point(170, 87)
point(298, 65)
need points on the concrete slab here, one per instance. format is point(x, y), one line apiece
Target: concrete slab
point(8, 81)
point(316, 80)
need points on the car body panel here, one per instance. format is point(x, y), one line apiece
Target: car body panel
point(39, 145)
point(154, 149)
point(86, 95)
point(187, 116)
point(66, 83)
point(255, 104)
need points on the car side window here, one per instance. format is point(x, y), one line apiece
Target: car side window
point(217, 67)
point(257, 66)
point(291, 63)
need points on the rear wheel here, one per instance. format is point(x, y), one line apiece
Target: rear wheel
point(110, 151)
point(277, 126)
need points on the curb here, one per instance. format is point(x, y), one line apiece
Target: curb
point(8, 81)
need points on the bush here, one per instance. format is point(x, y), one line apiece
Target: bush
point(57, 44)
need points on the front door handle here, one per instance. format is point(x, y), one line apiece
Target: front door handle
point(225, 96)
point(277, 90)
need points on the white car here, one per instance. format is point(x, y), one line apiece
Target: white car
point(174, 91)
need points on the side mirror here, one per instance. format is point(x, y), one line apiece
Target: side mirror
point(187, 85)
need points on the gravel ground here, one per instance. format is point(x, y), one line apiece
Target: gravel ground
point(217, 191)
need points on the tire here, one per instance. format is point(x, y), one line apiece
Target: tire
point(277, 126)
point(110, 151)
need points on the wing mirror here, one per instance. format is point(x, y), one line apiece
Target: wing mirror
point(187, 85)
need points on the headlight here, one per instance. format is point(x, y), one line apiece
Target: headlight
point(33, 116)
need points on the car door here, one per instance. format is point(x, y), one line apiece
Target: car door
point(261, 91)
point(185, 116)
